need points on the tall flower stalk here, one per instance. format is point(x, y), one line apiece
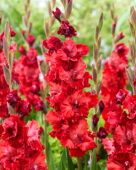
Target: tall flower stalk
point(30, 84)
point(115, 37)
point(119, 113)
point(19, 143)
point(131, 73)
point(67, 78)
point(96, 74)
point(43, 66)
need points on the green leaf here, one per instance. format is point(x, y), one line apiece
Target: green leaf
point(66, 161)
point(102, 167)
point(94, 161)
point(63, 161)
point(86, 162)
point(48, 151)
point(70, 163)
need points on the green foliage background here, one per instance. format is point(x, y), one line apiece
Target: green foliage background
point(84, 18)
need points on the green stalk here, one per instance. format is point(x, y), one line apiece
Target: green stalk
point(79, 163)
point(45, 138)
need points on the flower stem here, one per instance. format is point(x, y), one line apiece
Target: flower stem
point(45, 137)
point(79, 163)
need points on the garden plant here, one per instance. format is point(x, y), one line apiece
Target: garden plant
point(57, 112)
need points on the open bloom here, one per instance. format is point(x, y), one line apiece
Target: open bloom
point(20, 145)
point(114, 74)
point(121, 148)
point(67, 77)
point(27, 72)
point(113, 89)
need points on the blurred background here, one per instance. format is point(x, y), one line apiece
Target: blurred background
point(84, 18)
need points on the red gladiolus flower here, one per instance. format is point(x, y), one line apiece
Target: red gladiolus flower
point(23, 108)
point(101, 106)
point(71, 51)
point(1, 41)
point(12, 98)
point(30, 40)
point(121, 148)
point(124, 136)
point(113, 89)
point(9, 156)
point(78, 140)
point(33, 138)
point(22, 50)
point(12, 33)
point(13, 47)
point(109, 145)
point(27, 72)
point(118, 157)
point(37, 161)
point(57, 14)
point(31, 57)
point(53, 43)
point(130, 104)
point(4, 89)
point(112, 116)
point(122, 50)
point(78, 104)
point(41, 131)
point(20, 145)
point(38, 105)
point(67, 77)
point(102, 133)
point(122, 161)
point(114, 24)
point(95, 120)
point(114, 74)
point(121, 95)
point(121, 35)
point(11, 130)
point(23, 32)
point(67, 30)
